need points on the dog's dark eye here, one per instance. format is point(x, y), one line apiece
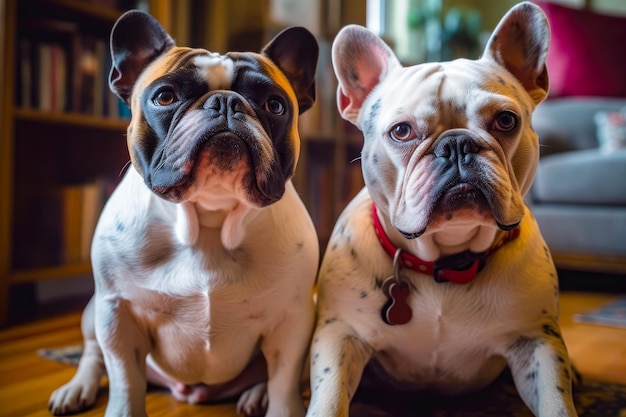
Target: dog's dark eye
point(164, 98)
point(402, 132)
point(505, 121)
point(274, 105)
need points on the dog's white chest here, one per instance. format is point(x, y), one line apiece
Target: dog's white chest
point(448, 340)
point(204, 322)
point(203, 307)
point(206, 337)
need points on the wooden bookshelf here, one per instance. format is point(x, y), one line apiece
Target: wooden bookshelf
point(50, 272)
point(329, 170)
point(46, 151)
point(328, 177)
point(71, 119)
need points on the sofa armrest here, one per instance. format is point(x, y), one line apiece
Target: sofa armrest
point(567, 123)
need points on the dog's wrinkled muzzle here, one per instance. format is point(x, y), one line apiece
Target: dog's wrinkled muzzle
point(459, 180)
point(465, 176)
point(221, 131)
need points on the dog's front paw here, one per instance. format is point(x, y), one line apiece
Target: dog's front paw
point(72, 397)
point(253, 402)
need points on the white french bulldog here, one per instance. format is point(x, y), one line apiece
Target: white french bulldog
point(204, 257)
point(436, 276)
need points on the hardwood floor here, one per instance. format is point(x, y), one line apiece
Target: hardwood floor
point(26, 380)
point(597, 352)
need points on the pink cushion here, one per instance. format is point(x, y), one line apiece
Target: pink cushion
point(587, 55)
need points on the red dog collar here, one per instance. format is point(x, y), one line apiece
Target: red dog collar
point(460, 268)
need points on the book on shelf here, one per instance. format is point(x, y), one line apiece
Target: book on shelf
point(320, 191)
point(87, 83)
point(25, 77)
point(92, 204)
point(354, 181)
point(81, 207)
point(52, 75)
point(62, 69)
point(321, 119)
point(71, 203)
point(63, 218)
point(40, 217)
point(44, 59)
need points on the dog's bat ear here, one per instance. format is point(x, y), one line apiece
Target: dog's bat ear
point(136, 40)
point(520, 44)
point(360, 60)
point(295, 52)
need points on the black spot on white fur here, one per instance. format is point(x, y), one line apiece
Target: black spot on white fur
point(550, 330)
point(523, 349)
point(378, 282)
point(371, 120)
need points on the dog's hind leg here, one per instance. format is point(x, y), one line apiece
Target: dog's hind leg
point(250, 386)
point(80, 392)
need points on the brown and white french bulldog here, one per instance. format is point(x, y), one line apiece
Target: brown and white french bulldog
point(436, 276)
point(204, 257)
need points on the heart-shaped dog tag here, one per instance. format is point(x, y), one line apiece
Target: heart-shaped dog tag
point(397, 310)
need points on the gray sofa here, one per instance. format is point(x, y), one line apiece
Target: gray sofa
point(579, 193)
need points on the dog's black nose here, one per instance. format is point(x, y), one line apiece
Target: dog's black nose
point(225, 104)
point(458, 148)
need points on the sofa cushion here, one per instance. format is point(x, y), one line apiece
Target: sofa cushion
point(587, 54)
point(584, 229)
point(568, 123)
point(582, 177)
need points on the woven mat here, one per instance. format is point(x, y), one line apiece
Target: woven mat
point(592, 398)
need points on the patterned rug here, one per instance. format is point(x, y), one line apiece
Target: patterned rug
point(592, 398)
